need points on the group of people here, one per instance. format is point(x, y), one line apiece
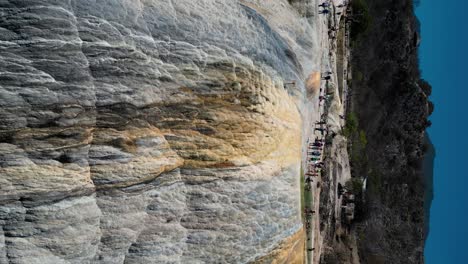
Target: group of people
point(314, 168)
point(315, 148)
point(326, 5)
point(314, 156)
point(315, 165)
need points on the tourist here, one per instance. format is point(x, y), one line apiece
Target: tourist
point(324, 5)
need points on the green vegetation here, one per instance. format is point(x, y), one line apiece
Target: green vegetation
point(358, 149)
point(351, 125)
point(357, 142)
point(358, 76)
point(374, 183)
point(360, 166)
point(302, 192)
point(362, 19)
point(354, 185)
point(306, 196)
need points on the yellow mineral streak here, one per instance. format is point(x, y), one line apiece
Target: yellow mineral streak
point(253, 122)
point(313, 83)
point(291, 251)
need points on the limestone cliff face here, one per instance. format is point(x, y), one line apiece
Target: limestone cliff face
point(152, 131)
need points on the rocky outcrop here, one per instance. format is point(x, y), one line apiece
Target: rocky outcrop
point(153, 131)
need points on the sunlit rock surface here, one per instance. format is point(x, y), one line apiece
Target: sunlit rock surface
point(153, 131)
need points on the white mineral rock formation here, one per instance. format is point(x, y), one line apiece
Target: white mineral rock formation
point(153, 131)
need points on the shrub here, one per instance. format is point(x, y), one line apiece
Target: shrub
point(357, 144)
point(351, 125)
point(374, 183)
point(362, 18)
point(354, 185)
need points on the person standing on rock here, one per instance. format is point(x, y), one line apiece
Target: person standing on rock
point(310, 211)
point(325, 11)
point(324, 5)
point(313, 174)
point(289, 83)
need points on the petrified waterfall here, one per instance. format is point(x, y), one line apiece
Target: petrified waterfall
point(153, 131)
